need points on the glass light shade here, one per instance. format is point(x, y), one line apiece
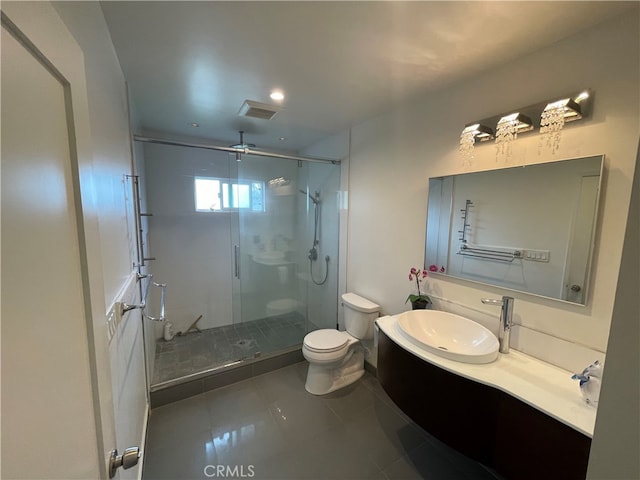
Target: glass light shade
point(571, 110)
point(521, 122)
point(479, 131)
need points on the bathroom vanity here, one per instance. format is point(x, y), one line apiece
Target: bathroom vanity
point(518, 415)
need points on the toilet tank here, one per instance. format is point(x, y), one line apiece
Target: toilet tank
point(359, 315)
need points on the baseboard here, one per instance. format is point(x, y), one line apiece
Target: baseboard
point(371, 369)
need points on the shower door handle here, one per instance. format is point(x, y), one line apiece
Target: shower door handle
point(236, 260)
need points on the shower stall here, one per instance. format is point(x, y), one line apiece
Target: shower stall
point(248, 248)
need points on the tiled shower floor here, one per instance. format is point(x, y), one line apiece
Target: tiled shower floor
point(215, 347)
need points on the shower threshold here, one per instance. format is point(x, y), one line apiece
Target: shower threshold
point(200, 382)
point(222, 368)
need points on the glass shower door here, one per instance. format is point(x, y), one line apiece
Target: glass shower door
point(270, 296)
point(189, 239)
point(232, 242)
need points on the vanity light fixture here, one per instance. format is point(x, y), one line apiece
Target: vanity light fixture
point(553, 118)
point(550, 115)
point(507, 131)
point(468, 137)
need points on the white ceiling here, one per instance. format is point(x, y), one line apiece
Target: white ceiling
point(339, 63)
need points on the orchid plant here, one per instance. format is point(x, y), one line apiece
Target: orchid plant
point(434, 268)
point(418, 275)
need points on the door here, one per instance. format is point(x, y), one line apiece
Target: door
point(579, 255)
point(272, 222)
point(57, 417)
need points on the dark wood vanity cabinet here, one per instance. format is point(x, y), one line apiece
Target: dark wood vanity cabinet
point(480, 421)
point(531, 445)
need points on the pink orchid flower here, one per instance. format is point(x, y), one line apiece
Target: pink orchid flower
point(419, 275)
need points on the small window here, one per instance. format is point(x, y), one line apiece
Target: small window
point(207, 195)
point(221, 195)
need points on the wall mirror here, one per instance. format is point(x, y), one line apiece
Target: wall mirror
point(527, 228)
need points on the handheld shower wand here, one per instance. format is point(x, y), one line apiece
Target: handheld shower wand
point(313, 252)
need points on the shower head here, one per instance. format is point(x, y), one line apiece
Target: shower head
point(242, 145)
point(315, 199)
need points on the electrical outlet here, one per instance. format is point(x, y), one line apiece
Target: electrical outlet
point(537, 255)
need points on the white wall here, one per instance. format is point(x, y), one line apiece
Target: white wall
point(150, 327)
point(393, 155)
point(110, 137)
point(616, 440)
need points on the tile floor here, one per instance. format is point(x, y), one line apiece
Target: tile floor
point(213, 347)
point(269, 427)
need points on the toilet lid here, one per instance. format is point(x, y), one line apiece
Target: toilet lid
point(325, 340)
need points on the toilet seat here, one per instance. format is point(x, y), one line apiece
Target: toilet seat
point(325, 340)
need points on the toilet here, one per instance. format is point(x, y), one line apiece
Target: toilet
point(336, 359)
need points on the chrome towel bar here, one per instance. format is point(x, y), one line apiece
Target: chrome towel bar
point(125, 307)
point(489, 254)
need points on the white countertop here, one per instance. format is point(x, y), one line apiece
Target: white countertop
point(545, 387)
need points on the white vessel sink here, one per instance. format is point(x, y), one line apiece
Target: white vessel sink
point(449, 336)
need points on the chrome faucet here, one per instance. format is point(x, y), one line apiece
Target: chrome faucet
point(506, 314)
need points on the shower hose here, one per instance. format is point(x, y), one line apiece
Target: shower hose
point(326, 273)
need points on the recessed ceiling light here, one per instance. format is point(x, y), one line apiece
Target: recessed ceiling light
point(282, 139)
point(194, 124)
point(277, 95)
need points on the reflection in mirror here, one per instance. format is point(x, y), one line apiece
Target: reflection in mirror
point(528, 228)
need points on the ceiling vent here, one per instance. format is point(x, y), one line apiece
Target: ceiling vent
point(255, 109)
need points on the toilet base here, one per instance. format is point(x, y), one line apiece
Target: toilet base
point(323, 379)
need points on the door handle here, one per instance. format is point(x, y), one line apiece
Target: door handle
point(576, 288)
point(236, 260)
point(128, 459)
